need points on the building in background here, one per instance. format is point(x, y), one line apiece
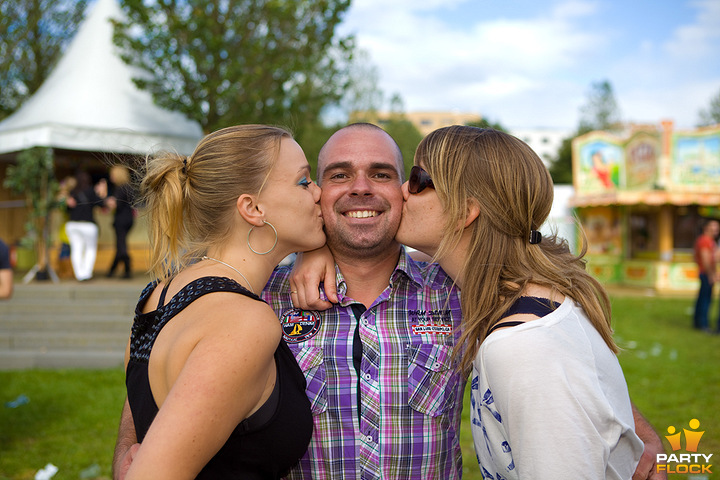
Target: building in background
point(425, 122)
point(641, 198)
point(544, 141)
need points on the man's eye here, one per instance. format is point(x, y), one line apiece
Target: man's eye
point(304, 182)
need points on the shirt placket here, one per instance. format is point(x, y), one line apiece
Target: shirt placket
point(370, 392)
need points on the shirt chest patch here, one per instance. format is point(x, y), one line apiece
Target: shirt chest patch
point(299, 325)
point(434, 329)
point(430, 322)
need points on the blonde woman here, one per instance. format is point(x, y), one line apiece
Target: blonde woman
point(549, 399)
point(212, 387)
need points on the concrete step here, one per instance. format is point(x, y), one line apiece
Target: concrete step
point(68, 324)
point(54, 340)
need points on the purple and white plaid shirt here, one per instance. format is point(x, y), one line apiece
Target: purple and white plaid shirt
point(410, 394)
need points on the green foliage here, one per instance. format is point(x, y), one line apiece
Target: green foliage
point(711, 116)
point(249, 61)
point(312, 139)
point(407, 137)
point(561, 167)
point(34, 33)
point(34, 177)
point(601, 111)
point(362, 93)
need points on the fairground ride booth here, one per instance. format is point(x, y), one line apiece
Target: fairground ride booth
point(641, 199)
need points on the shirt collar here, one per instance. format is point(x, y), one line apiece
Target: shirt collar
point(405, 268)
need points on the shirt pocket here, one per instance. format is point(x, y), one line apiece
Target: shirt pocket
point(432, 380)
point(310, 360)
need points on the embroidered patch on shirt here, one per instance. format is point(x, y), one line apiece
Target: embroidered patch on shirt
point(438, 329)
point(299, 325)
point(431, 322)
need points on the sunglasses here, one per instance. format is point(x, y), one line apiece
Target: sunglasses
point(419, 180)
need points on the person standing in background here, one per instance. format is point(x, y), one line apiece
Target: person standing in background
point(121, 201)
point(82, 231)
point(6, 273)
point(704, 254)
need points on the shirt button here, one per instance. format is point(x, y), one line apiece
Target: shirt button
point(369, 438)
point(368, 377)
point(436, 366)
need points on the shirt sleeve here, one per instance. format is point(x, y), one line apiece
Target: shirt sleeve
point(553, 410)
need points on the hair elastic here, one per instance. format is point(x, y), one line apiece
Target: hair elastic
point(535, 237)
point(184, 168)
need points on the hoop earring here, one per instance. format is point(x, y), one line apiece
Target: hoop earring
point(271, 248)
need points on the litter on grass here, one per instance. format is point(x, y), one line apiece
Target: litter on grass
point(22, 399)
point(47, 472)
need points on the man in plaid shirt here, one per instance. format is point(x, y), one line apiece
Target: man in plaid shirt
point(385, 395)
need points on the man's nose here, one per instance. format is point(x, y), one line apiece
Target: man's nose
point(361, 185)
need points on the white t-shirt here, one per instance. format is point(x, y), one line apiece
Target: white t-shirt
point(549, 401)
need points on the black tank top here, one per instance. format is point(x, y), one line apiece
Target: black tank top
point(534, 305)
point(265, 445)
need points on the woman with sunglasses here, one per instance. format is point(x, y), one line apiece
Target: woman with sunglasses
point(548, 399)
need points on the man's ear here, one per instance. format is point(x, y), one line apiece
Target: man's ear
point(250, 210)
point(472, 211)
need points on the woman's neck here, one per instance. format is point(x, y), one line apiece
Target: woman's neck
point(453, 262)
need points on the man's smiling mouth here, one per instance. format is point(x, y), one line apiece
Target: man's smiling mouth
point(362, 213)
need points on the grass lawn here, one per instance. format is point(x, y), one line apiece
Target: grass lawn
point(673, 373)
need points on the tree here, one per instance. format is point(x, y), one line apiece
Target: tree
point(561, 167)
point(362, 97)
point(711, 116)
point(600, 112)
point(34, 177)
point(247, 61)
point(407, 137)
point(34, 34)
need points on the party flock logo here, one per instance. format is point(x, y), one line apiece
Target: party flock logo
point(691, 462)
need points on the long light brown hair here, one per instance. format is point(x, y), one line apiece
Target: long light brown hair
point(514, 192)
point(189, 200)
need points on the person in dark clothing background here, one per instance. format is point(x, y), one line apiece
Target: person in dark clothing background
point(121, 201)
point(81, 229)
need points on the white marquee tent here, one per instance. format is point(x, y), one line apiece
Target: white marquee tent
point(90, 103)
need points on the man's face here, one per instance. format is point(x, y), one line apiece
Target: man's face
point(359, 172)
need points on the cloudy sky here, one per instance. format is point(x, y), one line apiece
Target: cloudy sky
point(530, 63)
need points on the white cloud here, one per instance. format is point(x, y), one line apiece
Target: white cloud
point(533, 70)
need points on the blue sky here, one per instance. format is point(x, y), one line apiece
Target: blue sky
point(531, 63)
